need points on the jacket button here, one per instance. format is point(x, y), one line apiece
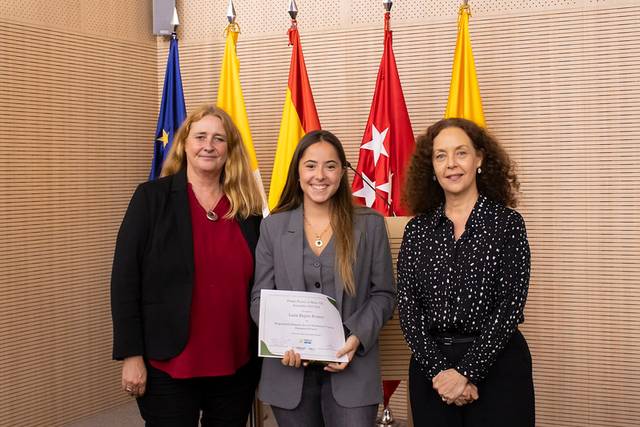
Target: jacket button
point(317, 285)
point(316, 264)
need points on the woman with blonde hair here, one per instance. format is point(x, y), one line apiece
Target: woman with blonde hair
point(182, 273)
point(316, 241)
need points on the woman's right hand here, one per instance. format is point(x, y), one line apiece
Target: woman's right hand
point(291, 358)
point(134, 376)
point(450, 384)
point(469, 395)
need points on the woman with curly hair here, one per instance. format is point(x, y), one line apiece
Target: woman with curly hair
point(463, 277)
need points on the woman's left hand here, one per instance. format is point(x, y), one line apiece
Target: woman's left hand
point(350, 347)
point(450, 385)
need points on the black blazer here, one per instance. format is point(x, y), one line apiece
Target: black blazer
point(152, 276)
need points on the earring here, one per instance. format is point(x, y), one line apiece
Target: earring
point(433, 178)
point(479, 171)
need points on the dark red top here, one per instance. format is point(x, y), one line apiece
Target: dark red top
point(219, 324)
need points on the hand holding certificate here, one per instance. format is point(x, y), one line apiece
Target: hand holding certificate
point(307, 322)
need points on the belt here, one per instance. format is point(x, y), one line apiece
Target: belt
point(450, 340)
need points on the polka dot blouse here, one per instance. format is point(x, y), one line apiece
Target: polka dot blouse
point(474, 286)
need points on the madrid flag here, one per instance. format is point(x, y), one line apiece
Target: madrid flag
point(388, 140)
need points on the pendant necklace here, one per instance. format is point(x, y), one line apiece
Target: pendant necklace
point(211, 215)
point(218, 193)
point(318, 241)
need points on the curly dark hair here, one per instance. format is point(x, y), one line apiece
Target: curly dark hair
point(498, 180)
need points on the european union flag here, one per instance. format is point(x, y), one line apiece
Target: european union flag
point(172, 110)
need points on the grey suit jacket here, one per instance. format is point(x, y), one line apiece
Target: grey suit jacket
point(279, 266)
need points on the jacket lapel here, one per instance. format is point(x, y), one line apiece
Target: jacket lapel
point(182, 216)
point(292, 246)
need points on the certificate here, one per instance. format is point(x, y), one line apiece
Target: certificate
point(306, 322)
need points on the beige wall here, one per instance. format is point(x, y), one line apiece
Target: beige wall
point(79, 98)
point(80, 94)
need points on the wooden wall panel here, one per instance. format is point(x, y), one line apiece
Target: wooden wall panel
point(78, 116)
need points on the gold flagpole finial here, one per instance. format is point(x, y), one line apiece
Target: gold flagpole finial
point(465, 6)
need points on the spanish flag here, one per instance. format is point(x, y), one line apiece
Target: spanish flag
point(464, 93)
point(231, 100)
point(299, 117)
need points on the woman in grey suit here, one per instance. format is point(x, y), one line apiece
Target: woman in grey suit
point(317, 241)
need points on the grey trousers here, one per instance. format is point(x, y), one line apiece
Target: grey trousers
point(318, 408)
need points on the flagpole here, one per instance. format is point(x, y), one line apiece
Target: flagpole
point(231, 17)
point(388, 141)
point(464, 92)
point(293, 11)
point(299, 113)
point(172, 106)
point(231, 12)
point(174, 23)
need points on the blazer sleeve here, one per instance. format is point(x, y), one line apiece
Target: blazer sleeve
point(264, 270)
point(367, 321)
point(126, 277)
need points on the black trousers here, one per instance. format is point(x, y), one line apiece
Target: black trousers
point(224, 401)
point(506, 394)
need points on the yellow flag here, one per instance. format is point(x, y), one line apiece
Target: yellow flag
point(464, 93)
point(231, 100)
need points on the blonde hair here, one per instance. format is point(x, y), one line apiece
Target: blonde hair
point(342, 209)
point(237, 179)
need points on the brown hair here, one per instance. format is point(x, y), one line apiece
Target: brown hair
point(237, 179)
point(498, 180)
point(342, 209)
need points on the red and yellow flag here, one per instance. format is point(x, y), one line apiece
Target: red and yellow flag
point(464, 92)
point(299, 117)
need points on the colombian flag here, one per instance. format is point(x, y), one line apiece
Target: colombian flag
point(464, 93)
point(231, 100)
point(299, 117)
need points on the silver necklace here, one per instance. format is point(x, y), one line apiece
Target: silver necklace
point(211, 215)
